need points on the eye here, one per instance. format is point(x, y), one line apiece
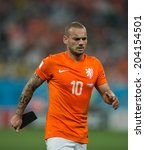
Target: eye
point(77, 39)
point(84, 38)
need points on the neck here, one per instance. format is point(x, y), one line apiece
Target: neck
point(76, 57)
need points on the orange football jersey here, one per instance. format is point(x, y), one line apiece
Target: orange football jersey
point(70, 85)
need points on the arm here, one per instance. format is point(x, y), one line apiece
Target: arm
point(25, 97)
point(108, 95)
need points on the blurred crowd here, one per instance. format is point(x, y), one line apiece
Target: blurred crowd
point(32, 29)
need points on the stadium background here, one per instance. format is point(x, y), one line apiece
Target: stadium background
point(32, 29)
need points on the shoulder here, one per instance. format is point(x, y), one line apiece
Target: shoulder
point(93, 59)
point(50, 61)
point(54, 57)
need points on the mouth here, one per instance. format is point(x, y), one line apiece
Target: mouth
point(80, 48)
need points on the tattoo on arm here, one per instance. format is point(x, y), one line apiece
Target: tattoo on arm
point(24, 100)
point(27, 93)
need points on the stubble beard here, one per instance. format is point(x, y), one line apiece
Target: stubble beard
point(76, 52)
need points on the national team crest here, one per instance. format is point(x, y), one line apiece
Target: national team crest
point(89, 72)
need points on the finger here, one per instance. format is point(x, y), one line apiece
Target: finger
point(13, 126)
point(111, 97)
point(17, 129)
point(115, 104)
point(115, 107)
point(108, 95)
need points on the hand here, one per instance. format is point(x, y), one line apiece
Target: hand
point(16, 122)
point(112, 99)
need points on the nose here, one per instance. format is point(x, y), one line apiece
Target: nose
point(81, 42)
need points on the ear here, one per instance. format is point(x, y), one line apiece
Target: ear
point(65, 39)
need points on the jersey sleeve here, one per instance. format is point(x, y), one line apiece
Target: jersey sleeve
point(101, 78)
point(44, 70)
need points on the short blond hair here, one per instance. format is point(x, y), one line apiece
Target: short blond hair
point(74, 24)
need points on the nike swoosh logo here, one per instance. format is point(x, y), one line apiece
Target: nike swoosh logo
point(60, 71)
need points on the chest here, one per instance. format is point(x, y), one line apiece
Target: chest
point(74, 76)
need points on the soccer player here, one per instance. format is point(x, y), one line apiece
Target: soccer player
point(71, 76)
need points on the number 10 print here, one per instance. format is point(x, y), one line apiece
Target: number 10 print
point(77, 87)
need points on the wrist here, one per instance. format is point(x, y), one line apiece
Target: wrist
point(19, 113)
point(104, 93)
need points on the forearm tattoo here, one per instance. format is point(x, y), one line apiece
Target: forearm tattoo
point(24, 100)
point(27, 93)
